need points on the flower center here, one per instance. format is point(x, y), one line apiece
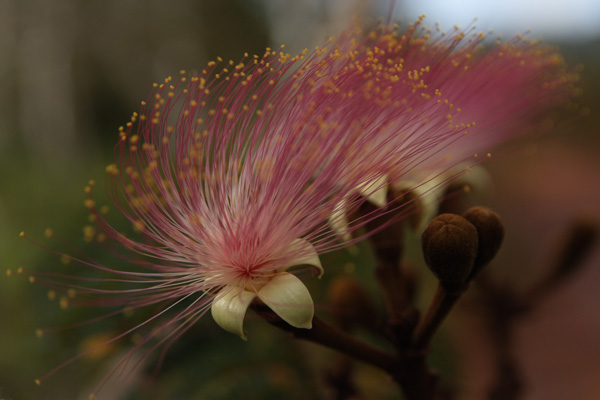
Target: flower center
point(256, 282)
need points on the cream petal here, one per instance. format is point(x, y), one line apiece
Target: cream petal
point(375, 191)
point(428, 195)
point(309, 257)
point(229, 310)
point(339, 222)
point(478, 179)
point(287, 296)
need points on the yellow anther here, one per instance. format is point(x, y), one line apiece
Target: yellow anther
point(138, 226)
point(64, 302)
point(112, 169)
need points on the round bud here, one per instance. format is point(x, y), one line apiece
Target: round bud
point(449, 246)
point(350, 302)
point(490, 230)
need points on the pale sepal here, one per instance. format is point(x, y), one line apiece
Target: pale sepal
point(339, 222)
point(375, 191)
point(229, 310)
point(287, 296)
point(309, 256)
point(428, 195)
point(478, 180)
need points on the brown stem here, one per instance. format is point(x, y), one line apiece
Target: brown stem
point(417, 381)
point(408, 369)
point(505, 310)
point(440, 306)
point(331, 336)
point(503, 307)
point(577, 245)
point(397, 283)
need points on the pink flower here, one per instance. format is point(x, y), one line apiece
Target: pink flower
point(233, 176)
point(491, 93)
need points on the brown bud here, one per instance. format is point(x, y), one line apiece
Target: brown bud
point(388, 232)
point(350, 302)
point(490, 230)
point(449, 246)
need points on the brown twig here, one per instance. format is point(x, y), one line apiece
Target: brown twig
point(440, 306)
point(408, 368)
point(503, 308)
point(333, 337)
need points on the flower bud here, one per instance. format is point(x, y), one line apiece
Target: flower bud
point(449, 246)
point(351, 303)
point(490, 231)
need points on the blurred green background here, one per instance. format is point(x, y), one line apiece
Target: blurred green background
point(72, 71)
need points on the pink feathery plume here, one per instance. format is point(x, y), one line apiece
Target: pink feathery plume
point(491, 93)
point(232, 176)
point(236, 174)
point(503, 86)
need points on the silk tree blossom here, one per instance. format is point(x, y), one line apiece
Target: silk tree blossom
point(263, 155)
point(232, 176)
point(494, 92)
point(212, 178)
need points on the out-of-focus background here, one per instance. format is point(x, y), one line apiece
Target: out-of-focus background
point(71, 72)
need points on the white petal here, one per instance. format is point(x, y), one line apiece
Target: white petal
point(478, 179)
point(229, 310)
point(287, 296)
point(427, 195)
point(339, 222)
point(309, 256)
point(375, 191)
